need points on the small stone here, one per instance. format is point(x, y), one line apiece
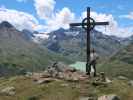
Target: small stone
point(130, 82)
point(102, 77)
point(64, 85)
point(60, 75)
point(44, 80)
point(12, 93)
point(84, 98)
point(8, 91)
point(88, 98)
point(122, 78)
point(28, 74)
point(108, 80)
point(45, 75)
point(109, 97)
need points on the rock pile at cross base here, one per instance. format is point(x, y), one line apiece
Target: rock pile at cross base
point(60, 71)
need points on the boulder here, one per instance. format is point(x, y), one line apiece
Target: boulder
point(83, 98)
point(75, 76)
point(61, 75)
point(51, 71)
point(61, 67)
point(8, 91)
point(88, 98)
point(67, 76)
point(108, 80)
point(130, 82)
point(45, 75)
point(44, 80)
point(71, 76)
point(28, 74)
point(83, 77)
point(122, 78)
point(109, 97)
point(102, 77)
point(64, 85)
point(98, 82)
point(60, 71)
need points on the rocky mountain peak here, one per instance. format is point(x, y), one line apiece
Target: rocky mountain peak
point(6, 24)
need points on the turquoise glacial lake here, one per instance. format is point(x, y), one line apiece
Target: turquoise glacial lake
point(79, 66)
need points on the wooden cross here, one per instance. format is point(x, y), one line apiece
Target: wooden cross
point(88, 24)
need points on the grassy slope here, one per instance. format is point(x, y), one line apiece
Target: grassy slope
point(120, 64)
point(18, 53)
point(26, 88)
point(32, 60)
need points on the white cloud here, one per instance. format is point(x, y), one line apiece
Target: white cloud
point(20, 20)
point(54, 20)
point(113, 27)
point(129, 16)
point(44, 8)
point(61, 19)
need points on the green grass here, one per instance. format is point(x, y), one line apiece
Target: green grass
point(26, 88)
point(120, 64)
point(34, 60)
point(116, 68)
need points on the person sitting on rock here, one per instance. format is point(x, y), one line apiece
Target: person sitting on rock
point(93, 61)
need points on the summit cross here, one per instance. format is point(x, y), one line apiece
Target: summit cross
point(88, 24)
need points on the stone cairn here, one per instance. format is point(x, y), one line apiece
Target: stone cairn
point(60, 71)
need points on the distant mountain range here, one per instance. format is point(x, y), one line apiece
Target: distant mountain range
point(118, 51)
point(72, 43)
point(18, 52)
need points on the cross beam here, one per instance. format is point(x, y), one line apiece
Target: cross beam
point(96, 23)
point(88, 26)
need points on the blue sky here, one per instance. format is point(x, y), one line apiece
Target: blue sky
point(50, 12)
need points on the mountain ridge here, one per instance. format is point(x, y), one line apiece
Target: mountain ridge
point(120, 64)
point(72, 42)
point(17, 53)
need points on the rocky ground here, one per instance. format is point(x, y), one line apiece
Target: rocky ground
point(65, 84)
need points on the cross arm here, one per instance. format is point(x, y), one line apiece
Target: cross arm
point(96, 23)
point(101, 23)
point(75, 24)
